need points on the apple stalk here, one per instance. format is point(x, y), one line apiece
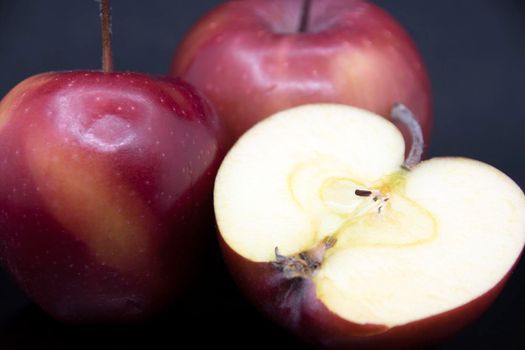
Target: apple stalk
point(401, 114)
point(105, 24)
point(305, 16)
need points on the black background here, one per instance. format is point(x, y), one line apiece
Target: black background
point(475, 53)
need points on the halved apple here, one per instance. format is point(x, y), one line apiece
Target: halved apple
point(331, 233)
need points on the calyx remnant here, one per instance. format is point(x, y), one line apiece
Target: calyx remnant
point(305, 264)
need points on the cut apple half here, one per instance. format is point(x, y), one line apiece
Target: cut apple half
point(322, 194)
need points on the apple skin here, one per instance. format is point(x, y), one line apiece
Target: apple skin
point(106, 191)
point(293, 304)
point(249, 59)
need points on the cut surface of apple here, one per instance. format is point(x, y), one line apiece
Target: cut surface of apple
point(320, 192)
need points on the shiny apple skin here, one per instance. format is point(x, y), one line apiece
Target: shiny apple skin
point(106, 191)
point(249, 59)
point(294, 305)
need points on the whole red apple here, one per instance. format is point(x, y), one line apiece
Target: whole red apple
point(106, 185)
point(253, 58)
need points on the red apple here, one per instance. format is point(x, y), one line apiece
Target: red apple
point(106, 185)
point(334, 236)
point(253, 58)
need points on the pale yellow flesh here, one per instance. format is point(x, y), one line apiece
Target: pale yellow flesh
point(449, 231)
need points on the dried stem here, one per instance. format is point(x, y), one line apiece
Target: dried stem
point(105, 22)
point(305, 16)
point(400, 113)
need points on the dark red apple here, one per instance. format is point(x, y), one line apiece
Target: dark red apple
point(106, 185)
point(253, 58)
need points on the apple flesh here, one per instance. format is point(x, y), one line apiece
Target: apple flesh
point(254, 58)
point(331, 233)
point(105, 192)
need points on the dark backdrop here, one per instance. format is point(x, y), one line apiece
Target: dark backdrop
point(474, 50)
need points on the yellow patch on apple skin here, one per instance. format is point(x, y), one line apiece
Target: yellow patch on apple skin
point(83, 195)
point(353, 67)
point(17, 94)
point(194, 41)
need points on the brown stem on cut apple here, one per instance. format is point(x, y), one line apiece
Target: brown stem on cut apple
point(304, 264)
point(105, 22)
point(305, 16)
point(400, 113)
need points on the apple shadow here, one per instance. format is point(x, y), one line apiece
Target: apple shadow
point(33, 329)
point(213, 312)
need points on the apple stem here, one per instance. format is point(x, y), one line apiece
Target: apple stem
point(305, 16)
point(400, 113)
point(105, 22)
